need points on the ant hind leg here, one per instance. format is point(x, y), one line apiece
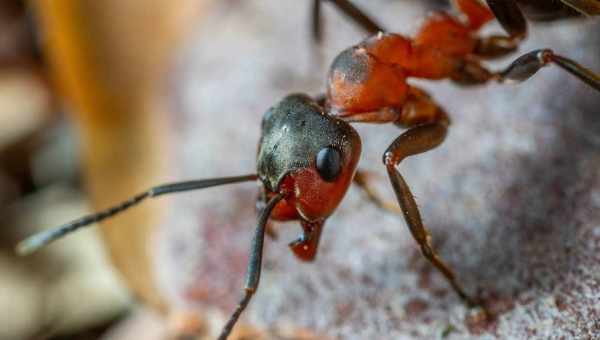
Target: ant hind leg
point(524, 67)
point(363, 180)
point(528, 64)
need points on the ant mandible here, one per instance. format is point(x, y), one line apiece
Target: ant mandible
point(308, 151)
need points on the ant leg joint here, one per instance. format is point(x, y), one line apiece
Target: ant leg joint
point(388, 159)
point(427, 251)
point(545, 56)
point(526, 66)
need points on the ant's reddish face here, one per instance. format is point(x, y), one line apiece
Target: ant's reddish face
point(318, 196)
point(308, 153)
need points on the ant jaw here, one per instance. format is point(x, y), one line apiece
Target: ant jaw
point(305, 247)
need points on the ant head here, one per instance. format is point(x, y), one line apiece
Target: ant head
point(308, 153)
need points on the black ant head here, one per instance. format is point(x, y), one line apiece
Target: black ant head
point(313, 155)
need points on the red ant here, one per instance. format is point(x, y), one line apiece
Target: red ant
point(507, 12)
point(308, 152)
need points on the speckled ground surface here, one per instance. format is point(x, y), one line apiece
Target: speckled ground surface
point(512, 198)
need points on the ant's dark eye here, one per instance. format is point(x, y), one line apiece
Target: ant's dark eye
point(329, 163)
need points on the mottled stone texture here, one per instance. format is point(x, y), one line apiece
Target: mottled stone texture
point(511, 197)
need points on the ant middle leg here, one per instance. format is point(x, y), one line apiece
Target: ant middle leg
point(363, 180)
point(369, 25)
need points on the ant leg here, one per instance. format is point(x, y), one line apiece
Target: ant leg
point(471, 72)
point(513, 21)
point(362, 180)
point(369, 25)
point(476, 12)
point(585, 7)
point(523, 68)
point(316, 22)
point(417, 140)
point(418, 109)
point(511, 18)
point(528, 64)
point(254, 265)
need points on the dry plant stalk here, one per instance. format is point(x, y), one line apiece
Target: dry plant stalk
point(109, 59)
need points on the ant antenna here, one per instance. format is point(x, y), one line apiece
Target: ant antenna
point(39, 240)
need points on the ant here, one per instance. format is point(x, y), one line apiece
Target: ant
point(308, 152)
point(507, 12)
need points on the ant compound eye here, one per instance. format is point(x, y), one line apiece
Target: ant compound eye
point(329, 163)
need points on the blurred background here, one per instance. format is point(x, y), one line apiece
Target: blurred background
point(101, 99)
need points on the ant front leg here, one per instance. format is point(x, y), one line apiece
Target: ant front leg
point(417, 140)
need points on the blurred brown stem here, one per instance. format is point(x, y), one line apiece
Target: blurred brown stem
point(109, 59)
